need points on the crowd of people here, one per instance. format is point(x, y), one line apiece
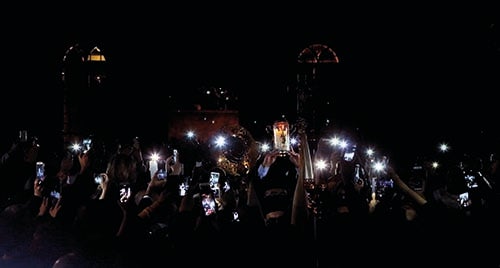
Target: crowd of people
point(104, 206)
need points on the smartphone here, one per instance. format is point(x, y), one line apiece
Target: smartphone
point(55, 194)
point(86, 144)
point(125, 193)
point(226, 186)
point(236, 216)
point(349, 153)
point(208, 204)
point(281, 137)
point(214, 178)
point(23, 135)
point(174, 156)
point(214, 183)
point(162, 174)
point(417, 178)
point(183, 188)
point(98, 179)
point(40, 170)
point(464, 200)
point(471, 181)
point(357, 174)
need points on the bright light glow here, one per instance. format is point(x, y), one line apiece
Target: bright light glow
point(379, 166)
point(220, 141)
point(343, 144)
point(444, 147)
point(155, 157)
point(435, 164)
point(75, 147)
point(321, 164)
point(370, 152)
point(190, 134)
point(334, 141)
point(265, 147)
point(293, 141)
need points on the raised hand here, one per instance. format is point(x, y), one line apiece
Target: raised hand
point(176, 168)
point(37, 187)
point(294, 157)
point(155, 184)
point(104, 185)
point(270, 157)
point(55, 208)
point(84, 161)
point(44, 206)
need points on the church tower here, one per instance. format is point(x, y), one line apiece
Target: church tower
point(84, 84)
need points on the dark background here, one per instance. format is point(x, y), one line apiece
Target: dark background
point(409, 76)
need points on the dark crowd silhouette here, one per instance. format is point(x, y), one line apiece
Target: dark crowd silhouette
point(108, 203)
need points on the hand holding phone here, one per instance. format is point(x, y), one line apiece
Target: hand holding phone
point(464, 200)
point(55, 194)
point(161, 174)
point(208, 204)
point(214, 178)
point(174, 156)
point(349, 153)
point(86, 145)
point(125, 193)
point(40, 170)
point(98, 179)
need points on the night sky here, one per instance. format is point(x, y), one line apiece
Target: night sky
point(406, 73)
